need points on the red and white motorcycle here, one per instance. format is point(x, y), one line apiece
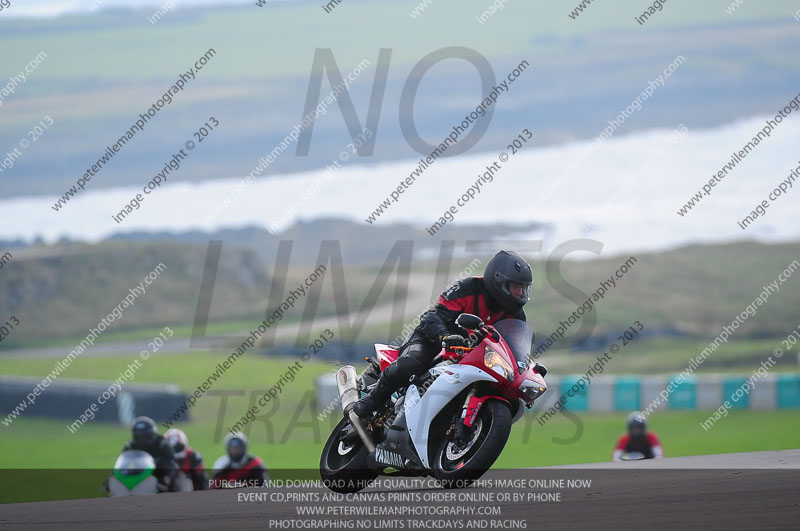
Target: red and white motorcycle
point(451, 423)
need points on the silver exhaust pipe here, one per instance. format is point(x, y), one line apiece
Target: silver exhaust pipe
point(347, 382)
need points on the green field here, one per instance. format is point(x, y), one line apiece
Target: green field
point(292, 436)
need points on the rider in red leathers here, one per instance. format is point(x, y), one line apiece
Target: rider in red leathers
point(499, 294)
point(638, 440)
point(190, 462)
point(237, 468)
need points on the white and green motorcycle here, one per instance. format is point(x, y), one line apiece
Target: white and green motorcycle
point(133, 474)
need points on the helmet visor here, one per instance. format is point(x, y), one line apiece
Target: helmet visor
point(236, 449)
point(519, 291)
point(143, 438)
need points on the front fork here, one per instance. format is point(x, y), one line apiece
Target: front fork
point(467, 416)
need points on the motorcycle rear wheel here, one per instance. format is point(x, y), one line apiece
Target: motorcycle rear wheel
point(343, 466)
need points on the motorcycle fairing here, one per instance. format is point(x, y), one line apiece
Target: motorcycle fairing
point(398, 440)
point(386, 355)
point(420, 411)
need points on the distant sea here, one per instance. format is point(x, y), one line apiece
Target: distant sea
point(626, 193)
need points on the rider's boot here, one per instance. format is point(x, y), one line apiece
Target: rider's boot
point(392, 378)
point(375, 399)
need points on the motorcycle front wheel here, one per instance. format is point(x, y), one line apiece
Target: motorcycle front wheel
point(457, 463)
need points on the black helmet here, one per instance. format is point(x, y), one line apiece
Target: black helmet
point(637, 424)
point(503, 271)
point(236, 446)
point(143, 431)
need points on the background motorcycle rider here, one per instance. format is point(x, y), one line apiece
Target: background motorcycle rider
point(145, 437)
point(237, 465)
point(638, 440)
point(189, 461)
point(499, 294)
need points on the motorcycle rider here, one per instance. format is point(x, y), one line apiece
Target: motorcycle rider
point(638, 440)
point(237, 467)
point(144, 437)
point(190, 462)
point(499, 294)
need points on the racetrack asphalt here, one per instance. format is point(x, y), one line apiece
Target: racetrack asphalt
point(758, 490)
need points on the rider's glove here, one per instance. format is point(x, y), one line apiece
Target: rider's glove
point(453, 340)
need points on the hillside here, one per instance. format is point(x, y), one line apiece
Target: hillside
point(58, 292)
point(692, 291)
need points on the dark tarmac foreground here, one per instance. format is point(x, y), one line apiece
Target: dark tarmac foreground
point(759, 490)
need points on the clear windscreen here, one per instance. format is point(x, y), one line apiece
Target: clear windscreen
point(133, 462)
point(519, 336)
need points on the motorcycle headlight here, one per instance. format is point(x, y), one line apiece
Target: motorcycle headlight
point(531, 389)
point(496, 363)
